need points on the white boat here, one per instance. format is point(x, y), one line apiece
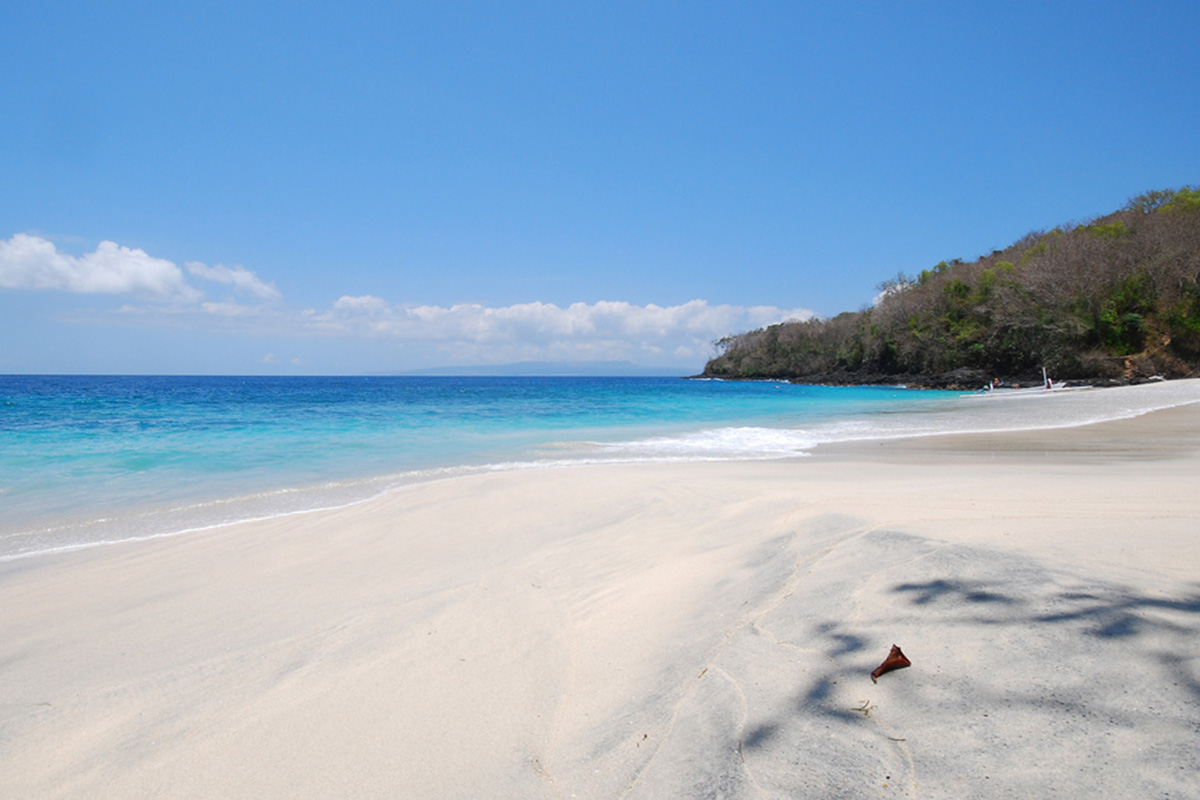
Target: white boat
point(1048, 386)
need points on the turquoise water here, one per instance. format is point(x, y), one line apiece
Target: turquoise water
point(93, 459)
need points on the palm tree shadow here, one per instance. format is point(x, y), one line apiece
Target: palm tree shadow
point(943, 589)
point(1108, 614)
point(1111, 613)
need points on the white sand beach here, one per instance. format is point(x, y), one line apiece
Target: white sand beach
point(647, 631)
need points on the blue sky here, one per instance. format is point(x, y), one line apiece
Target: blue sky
point(319, 188)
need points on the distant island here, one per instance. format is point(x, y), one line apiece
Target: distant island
point(1113, 300)
point(553, 369)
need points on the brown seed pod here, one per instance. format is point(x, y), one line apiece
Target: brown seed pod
point(895, 660)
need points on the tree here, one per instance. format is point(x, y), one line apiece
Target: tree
point(1083, 301)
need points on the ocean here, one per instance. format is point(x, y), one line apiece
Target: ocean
point(92, 460)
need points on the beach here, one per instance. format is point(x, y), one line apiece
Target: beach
point(645, 631)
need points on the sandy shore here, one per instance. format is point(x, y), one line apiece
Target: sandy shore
point(699, 630)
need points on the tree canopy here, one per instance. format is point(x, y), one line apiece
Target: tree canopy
point(1114, 298)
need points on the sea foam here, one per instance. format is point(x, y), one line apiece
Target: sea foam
point(85, 461)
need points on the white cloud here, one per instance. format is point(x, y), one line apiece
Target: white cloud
point(470, 321)
point(365, 303)
point(238, 277)
point(31, 262)
point(464, 332)
point(229, 309)
point(603, 330)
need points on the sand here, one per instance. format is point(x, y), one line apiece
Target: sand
point(648, 631)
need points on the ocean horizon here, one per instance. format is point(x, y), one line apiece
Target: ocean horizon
point(87, 460)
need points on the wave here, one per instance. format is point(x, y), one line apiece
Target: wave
point(1001, 414)
point(955, 415)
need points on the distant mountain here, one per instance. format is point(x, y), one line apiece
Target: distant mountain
point(549, 369)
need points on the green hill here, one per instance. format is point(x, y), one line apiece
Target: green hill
point(1114, 299)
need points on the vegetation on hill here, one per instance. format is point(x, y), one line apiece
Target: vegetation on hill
point(1116, 298)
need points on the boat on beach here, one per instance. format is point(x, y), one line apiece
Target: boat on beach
point(1048, 386)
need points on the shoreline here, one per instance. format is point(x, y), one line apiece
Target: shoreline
point(1176, 434)
point(120, 526)
point(644, 631)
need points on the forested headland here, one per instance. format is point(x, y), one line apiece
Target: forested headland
point(1116, 299)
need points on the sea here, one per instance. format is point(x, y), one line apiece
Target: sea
point(90, 461)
